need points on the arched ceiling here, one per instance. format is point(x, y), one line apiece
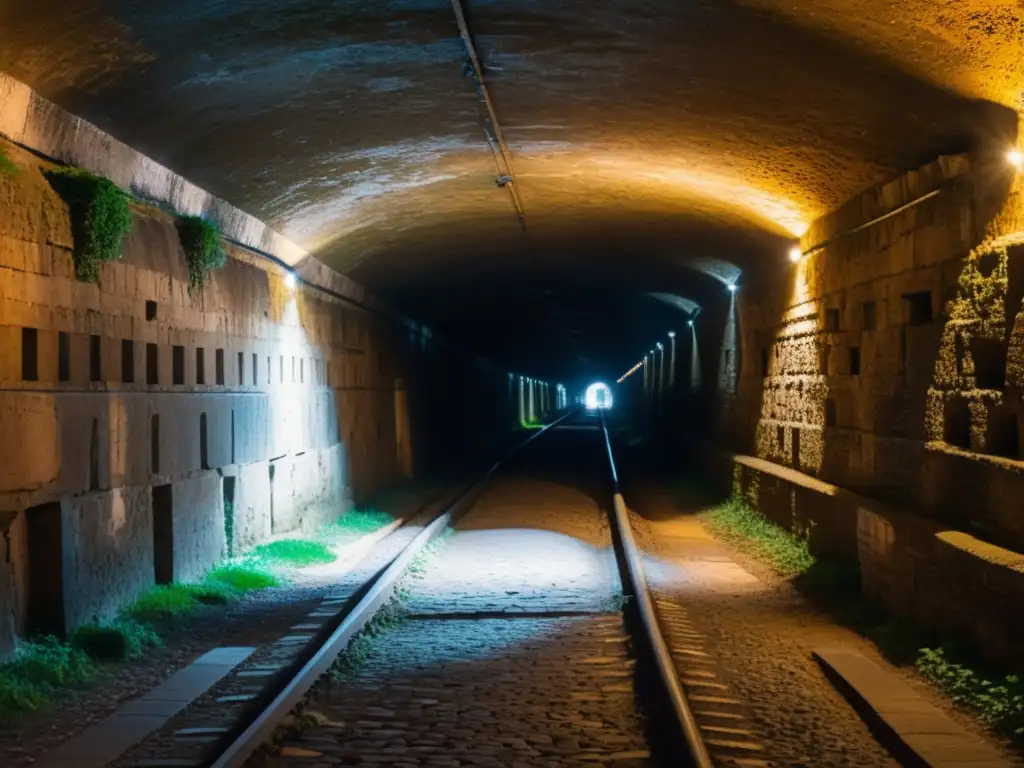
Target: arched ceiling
point(656, 146)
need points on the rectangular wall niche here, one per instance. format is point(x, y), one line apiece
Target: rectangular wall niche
point(177, 365)
point(919, 307)
point(163, 534)
point(45, 570)
point(29, 354)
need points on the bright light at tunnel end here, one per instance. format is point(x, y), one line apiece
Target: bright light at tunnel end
point(597, 397)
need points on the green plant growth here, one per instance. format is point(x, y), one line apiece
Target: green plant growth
point(294, 552)
point(750, 532)
point(100, 218)
point(203, 249)
point(243, 577)
point(359, 522)
point(171, 600)
point(117, 641)
point(36, 674)
point(358, 651)
point(997, 699)
point(7, 166)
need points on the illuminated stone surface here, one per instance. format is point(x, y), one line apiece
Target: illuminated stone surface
point(644, 139)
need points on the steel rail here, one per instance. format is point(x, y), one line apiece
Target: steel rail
point(382, 588)
point(636, 584)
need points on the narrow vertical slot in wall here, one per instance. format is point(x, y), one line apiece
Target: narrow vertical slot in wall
point(163, 534)
point(127, 361)
point(204, 448)
point(29, 354)
point(95, 359)
point(63, 356)
point(45, 609)
point(154, 443)
point(272, 525)
point(229, 515)
point(177, 365)
point(152, 365)
point(94, 456)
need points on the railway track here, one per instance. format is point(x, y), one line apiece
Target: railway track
point(514, 649)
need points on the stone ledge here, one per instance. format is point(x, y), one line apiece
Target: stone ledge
point(914, 730)
point(944, 579)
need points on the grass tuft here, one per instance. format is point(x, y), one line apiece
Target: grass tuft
point(120, 640)
point(360, 521)
point(243, 577)
point(752, 533)
point(30, 680)
point(164, 602)
point(296, 552)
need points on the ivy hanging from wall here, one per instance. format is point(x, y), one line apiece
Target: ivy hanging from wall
point(100, 218)
point(203, 250)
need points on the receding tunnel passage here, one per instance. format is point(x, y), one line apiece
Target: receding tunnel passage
point(293, 297)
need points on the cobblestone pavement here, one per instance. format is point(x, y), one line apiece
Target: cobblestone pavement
point(512, 653)
point(759, 638)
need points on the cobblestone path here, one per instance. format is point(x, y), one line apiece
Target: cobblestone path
point(513, 652)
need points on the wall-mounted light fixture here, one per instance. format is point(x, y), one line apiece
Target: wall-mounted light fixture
point(690, 323)
point(733, 287)
point(1015, 158)
point(671, 334)
point(795, 254)
point(289, 280)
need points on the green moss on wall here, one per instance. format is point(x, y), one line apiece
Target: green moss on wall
point(100, 218)
point(7, 166)
point(203, 250)
point(982, 291)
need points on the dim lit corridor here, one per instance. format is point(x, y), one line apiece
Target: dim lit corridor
point(315, 313)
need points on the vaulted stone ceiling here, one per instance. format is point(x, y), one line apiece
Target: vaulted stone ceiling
point(656, 146)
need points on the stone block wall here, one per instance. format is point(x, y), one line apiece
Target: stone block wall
point(949, 581)
point(149, 431)
point(890, 360)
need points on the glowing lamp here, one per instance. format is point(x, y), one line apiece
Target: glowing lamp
point(671, 334)
point(659, 345)
point(690, 323)
point(289, 280)
point(1015, 158)
point(795, 254)
point(732, 287)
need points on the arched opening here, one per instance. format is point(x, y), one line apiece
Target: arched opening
point(597, 397)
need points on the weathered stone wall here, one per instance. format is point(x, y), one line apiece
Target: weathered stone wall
point(946, 580)
point(890, 360)
point(172, 428)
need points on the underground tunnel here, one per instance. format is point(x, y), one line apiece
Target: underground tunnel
point(264, 266)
